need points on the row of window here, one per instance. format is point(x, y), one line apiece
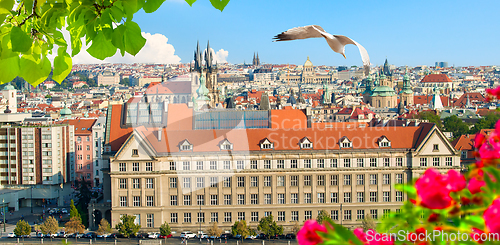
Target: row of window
point(150, 219)
point(136, 183)
point(281, 180)
point(254, 199)
point(281, 216)
point(280, 164)
point(122, 167)
point(80, 147)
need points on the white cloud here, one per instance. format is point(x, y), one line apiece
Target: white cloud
point(156, 50)
point(219, 56)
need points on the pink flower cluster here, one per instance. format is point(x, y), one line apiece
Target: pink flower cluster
point(488, 147)
point(308, 235)
point(434, 188)
point(492, 216)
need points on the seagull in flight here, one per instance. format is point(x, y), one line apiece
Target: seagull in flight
point(336, 42)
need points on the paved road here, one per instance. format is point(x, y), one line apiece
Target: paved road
point(123, 241)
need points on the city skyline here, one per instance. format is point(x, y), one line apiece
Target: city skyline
point(405, 33)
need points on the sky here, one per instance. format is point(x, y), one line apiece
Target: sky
point(413, 33)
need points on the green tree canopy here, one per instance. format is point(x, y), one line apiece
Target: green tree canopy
point(165, 229)
point(22, 228)
point(104, 227)
point(73, 212)
point(268, 226)
point(455, 125)
point(240, 228)
point(322, 216)
point(31, 29)
point(431, 117)
point(487, 122)
point(127, 227)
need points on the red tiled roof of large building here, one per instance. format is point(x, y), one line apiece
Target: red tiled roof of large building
point(170, 88)
point(427, 100)
point(473, 97)
point(283, 139)
point(83, 126)
point(117, 134)
point(436, 78)
point(358, 111)
point(484, 112)
point(286, 119)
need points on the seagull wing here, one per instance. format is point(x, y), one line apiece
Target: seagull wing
point(302, 32)
point(364, 54)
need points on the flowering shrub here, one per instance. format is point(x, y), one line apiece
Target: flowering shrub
point(443, 208)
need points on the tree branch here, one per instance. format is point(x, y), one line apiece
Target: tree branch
point(33, 14)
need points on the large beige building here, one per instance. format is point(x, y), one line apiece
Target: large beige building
point(191, 178)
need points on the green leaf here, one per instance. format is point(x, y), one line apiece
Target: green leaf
point(7, 4)
point(132, 38)
point(190, 2)
point(219, 4)
point(117, 38)
point(21, 42)
point(28, 6)
point(62, 65)
point(116, 13)
point(10, 69)
point(34, 71)
point(101, 48)
point(152, 5)
point(130, 7)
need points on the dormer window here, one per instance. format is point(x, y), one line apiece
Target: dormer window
point(266, 144)
point(345, 143)
point(305, 143)
point(226, 145)
point(185, 146)
point(384, 142)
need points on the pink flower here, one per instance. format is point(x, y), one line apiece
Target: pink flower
point(433, 188)
point(479, 140)
point(308, 234)
point(456, 181)
point(371, 237)
point(491, 217)
point(495, 92)
point(477, 182)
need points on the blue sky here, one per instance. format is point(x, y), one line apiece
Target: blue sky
point(410, 33)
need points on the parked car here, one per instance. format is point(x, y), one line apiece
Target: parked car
point(40, 235)
point(202, 235)
point(142, 235)
point(89, 235)
point(11, 235)
point(163, 236)
point(214, 237)
point(187, 235)
point(251, 237)
point(153, 235)
point(290, 236)
point(262, 236)
point(226, 236)
point(116, 235)
point(64, 211)
point(61, 234)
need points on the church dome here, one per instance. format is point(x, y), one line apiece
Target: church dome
point(9, 87)
point(308, 63)
point(65, 112)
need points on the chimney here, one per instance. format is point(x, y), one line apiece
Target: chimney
point(159, 134)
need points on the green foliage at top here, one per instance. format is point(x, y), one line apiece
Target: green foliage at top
point(165, 229)
point(322, 216)
point(32, 29)
point(73, 212)
point(455, 125)
point(50, 226)
point(240, 228)
point(487, 122)
point(268, 226)
point(22, 228)
point(127, 227)
point(431, 117)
